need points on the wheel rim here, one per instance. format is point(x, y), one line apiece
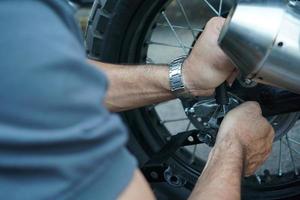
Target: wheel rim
point(151, 113)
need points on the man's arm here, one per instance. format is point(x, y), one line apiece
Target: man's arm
point(244, 142)
point(221, 178)
point(135, 86)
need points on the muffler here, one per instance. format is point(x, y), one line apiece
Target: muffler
point(262, 38)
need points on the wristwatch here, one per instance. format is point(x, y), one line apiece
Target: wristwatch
point(177, 86)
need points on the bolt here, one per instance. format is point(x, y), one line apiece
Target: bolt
point(280, 44)
point(175, 180)
point(258, 178)
point(248, 81)
point(154, 175)
point(208, 139)
point(190, 139)
point(192, 110)
point(206, 124)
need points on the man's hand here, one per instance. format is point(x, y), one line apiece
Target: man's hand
point(244, 142)
point(207, 66)
point(245, 126)
point(136, 86)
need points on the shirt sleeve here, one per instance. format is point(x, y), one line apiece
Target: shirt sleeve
point(57, 140)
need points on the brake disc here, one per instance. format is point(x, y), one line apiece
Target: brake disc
point(205, 115)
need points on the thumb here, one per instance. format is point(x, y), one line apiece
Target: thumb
point(233, 76)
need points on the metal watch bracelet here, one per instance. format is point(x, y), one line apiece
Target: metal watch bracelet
point(177, 86)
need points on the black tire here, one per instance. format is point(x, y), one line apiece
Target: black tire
point(116, 33)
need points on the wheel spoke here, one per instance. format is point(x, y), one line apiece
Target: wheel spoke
point(194, 154)
point(167, 45)
point(188, 126)
point(195, 147)
point(291, 154)
point(211, 7)
point(151, 107)
point(279, 163)
point(258, 179)
point(173, 120)
point(294, 150)
point(220, 7)
point(149, 61)
point(294, 141)
point(174, 32)
point(186, 17)
point(181, 27)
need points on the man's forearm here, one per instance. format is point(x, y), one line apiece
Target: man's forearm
point(135, 86)
point(221, 178)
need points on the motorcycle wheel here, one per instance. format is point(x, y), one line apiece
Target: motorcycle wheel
point(119, 31)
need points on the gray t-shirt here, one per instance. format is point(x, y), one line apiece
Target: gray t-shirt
point(57, 140)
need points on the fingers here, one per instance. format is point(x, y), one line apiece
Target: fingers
point(263, 149)
point(248, 110)
point(250, 169)
point(207, 66)
point(232, 77)
point(253, 131)
point(216, 23)
point(222, 61)
point(259, 160)
point(213, 29)
point(251, 107)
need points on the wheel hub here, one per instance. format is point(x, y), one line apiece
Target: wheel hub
point(206, 115)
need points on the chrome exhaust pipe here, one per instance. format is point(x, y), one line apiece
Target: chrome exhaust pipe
point(262, 38)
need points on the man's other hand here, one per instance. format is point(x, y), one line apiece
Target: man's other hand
point(208, 66)
point(245, 127)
